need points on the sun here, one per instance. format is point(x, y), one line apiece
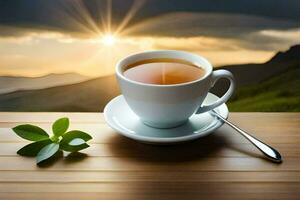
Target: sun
point(109, 39)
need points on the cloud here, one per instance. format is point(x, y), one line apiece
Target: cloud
point(199, 43)
point(271, 39)
point(81, 18)
point(211, 24)
point(250, 32)
point(292, 34)
point(219, 51)
point(78, 18)
point(36, 12)
point(11, 31)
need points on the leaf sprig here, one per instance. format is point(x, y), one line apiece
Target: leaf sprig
point(44, 146)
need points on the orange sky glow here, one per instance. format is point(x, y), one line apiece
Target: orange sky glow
point(40, 54)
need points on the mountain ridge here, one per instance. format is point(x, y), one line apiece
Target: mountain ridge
point(85, 96)
point(291, 54)
point(42, 76)
point(10, 84)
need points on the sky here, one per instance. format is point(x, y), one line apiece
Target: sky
point(90, 36)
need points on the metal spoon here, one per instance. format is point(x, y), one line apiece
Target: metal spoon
point(267, 150)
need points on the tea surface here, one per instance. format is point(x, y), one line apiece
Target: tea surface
point(163, 71)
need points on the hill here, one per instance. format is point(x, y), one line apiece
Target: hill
point(87, 96)
point(272, 86)
point(14, 83)
point(280, 93)
point(290, 55)
point(248, 74)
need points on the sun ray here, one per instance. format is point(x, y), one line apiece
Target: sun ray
point(136, 6)
point(109, 13)
point(87, 16)
point(76, 14)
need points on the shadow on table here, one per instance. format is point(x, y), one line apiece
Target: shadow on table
point(212, 145)
point(67, 159)
point(195, 150)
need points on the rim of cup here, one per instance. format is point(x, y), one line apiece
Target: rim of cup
point(195, 59)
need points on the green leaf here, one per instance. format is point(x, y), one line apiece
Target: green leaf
point(72, 148)
point(76, 142)
point(30, 132)
point(76, 134)
point(32, 149)
point(60, 126)
point(46, 152)
point(73, 141)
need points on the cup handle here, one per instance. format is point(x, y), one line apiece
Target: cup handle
point(216, 75)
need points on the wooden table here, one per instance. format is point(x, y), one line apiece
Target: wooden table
point(220, 166)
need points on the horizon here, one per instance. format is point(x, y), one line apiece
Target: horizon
point(110, 74)
point(89, 37)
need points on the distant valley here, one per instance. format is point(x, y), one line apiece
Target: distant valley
point(15, 83)
point(270, 86)
point(87, 96)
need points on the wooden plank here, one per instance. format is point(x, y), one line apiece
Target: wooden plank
point(184, 189)
point(104, 134)
point(170, 194)
point(154, 164)
point(149, 176)
point(100, 132)
point(49, 117)
point(127, 149)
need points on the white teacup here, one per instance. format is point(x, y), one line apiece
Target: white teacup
point(166, 106)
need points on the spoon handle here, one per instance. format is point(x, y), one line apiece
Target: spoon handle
point(267, 150)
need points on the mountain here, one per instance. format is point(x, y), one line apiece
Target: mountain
point(290, 55)
point(90, 95)
point(14, 83)
point(280, 93)
point(247, 74)
point(275, 85)
point(270, 86)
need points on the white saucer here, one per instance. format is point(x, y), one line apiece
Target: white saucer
point(121, 118)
